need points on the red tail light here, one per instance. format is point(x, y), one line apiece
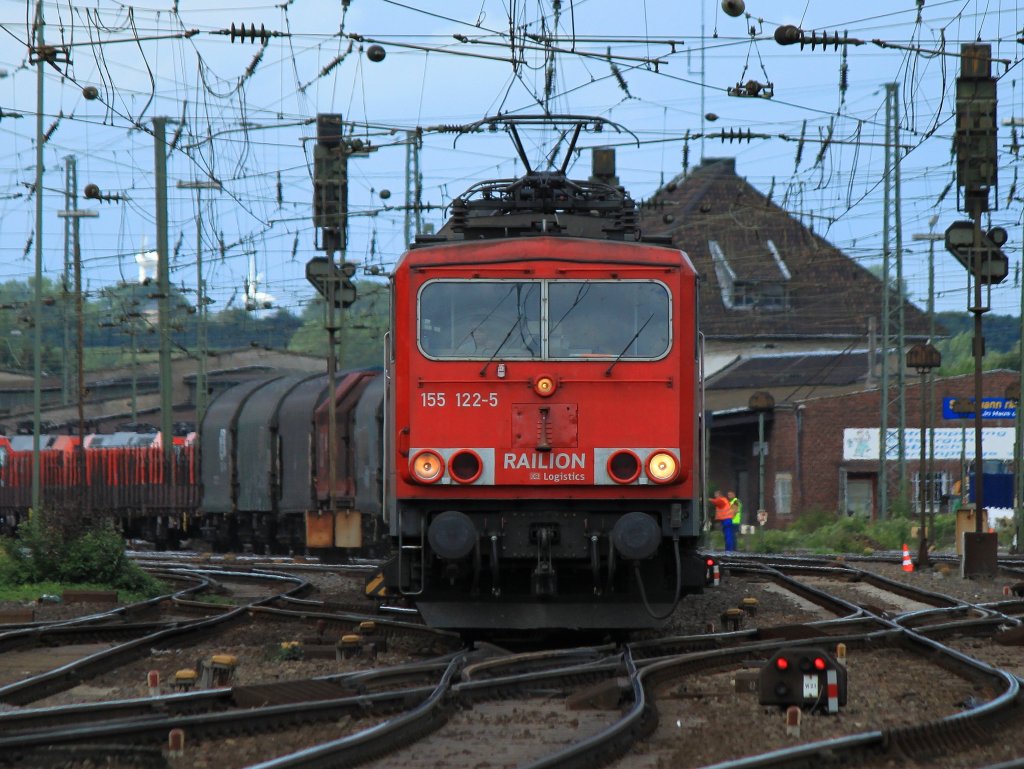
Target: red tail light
point(465, 466)
point(624, 466)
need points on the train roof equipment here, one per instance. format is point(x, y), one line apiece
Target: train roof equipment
point(542, 202)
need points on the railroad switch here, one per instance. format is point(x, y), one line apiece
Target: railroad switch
point(805, 677)
point(218, 670)
point(185, 679)
point(732, 618)
point(349, 646)
point(604, 695)
point(1010, 636)
point(372, 636)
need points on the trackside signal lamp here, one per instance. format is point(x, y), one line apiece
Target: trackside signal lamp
point(662, 467)
point(807, 677)
point(427, 466)
point(712, 574)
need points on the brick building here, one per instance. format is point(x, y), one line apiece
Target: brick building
point(771, 287)
point(823, 452)
point(784, 311)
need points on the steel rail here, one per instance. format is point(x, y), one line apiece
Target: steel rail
point(178, 704)
point(69, 675)
point(531, 661)
point(501, 686)
point(236, 720)
point(352, 618)
point(25, 633)
point(378, 740)
point(637, 722)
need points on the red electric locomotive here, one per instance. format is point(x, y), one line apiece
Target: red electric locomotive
point(542, 413)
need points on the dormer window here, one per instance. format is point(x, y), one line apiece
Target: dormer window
point(773, 296)
point(749, 284)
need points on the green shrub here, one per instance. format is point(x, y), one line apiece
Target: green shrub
point(826, 532)
point(812, 521)
point(46, 549)
point(34, 555)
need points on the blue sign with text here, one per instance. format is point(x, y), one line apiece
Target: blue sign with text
point(991, 408)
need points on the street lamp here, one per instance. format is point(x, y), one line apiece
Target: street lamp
point(199, 186)
point(931, 237)
point(1012, 393)
point(923, 358)
point(76, 214)
point(761, 402)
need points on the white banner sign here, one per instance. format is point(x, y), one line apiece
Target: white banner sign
point(950, 443)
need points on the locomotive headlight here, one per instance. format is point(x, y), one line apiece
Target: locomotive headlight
point(545, 386)
point(662, 467)
point(427, 466)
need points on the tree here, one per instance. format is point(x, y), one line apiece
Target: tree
point(958, 356)
point(362, 328)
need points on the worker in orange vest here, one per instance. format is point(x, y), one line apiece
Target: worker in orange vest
point(724, 514)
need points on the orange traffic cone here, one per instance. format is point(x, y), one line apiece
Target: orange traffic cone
point(908, 565)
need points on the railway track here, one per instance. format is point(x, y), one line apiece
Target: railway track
point(656, 700)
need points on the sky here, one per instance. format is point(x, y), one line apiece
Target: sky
point(661, 71)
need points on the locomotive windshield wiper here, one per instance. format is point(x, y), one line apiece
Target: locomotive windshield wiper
point(508, 335)
point(639, 331)
point(581, 292)
point(519, 321)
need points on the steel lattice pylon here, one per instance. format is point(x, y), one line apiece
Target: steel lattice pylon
point(413, 224)
point(893, 404)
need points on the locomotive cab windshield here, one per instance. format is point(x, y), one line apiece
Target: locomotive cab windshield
point(544, 319)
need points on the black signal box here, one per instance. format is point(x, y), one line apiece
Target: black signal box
point(805, 676)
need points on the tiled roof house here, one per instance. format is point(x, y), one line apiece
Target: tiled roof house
point(782, 311)
point(777, 301)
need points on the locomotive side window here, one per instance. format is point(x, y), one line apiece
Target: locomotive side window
point(504, 319)
point(480, 319)
point(603, 319)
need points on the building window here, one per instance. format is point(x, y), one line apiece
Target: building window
point(770, 297)
point(773, 296)
point(744, 295)
point(936, 487)
point(784, 493)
